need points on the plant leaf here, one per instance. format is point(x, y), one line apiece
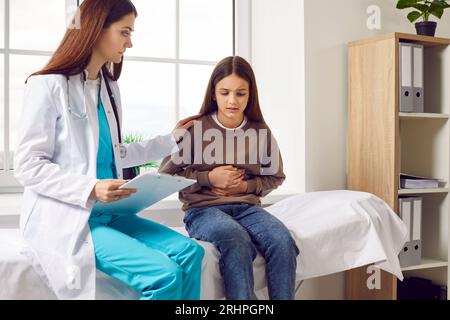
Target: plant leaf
point(437, 12)
point(414, 15)
point(421, 7)
point(441, 4)
point(403, 4)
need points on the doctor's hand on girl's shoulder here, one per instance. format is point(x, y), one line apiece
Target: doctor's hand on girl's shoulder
point(107, 190)
point(183, 125)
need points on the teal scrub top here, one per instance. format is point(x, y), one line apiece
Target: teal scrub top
point(106, 168)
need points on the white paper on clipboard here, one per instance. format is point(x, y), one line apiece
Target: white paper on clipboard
point(151, 188)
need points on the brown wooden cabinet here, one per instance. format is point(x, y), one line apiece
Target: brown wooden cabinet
point(383, 142)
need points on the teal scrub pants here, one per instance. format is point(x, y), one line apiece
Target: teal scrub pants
point(149, 257)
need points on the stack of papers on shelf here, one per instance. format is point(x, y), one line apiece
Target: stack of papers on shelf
point(408, 181)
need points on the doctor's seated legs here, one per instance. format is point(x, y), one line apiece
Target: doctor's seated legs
point(149, 257)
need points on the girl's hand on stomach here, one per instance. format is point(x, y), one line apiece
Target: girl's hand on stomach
point(225, 177)
point(241, 188)
point(107, 190)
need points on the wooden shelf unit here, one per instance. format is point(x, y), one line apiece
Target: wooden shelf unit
point(382, 142)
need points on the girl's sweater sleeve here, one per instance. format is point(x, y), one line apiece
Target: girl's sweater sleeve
point(272, 175)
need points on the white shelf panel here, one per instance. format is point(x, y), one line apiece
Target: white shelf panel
point(427, 264)
point(418, 191)
point(406, 116)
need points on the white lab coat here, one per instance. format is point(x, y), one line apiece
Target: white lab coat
point(55, 160)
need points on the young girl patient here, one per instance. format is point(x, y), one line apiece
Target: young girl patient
point(234, 157)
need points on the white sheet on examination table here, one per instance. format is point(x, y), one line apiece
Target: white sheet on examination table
point(340, 230)
point(334, 230)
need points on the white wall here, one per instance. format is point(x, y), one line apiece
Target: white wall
point(277, 58)
point(329, 26)
point(310, 109)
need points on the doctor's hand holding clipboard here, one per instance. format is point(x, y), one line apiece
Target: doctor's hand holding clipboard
point(107, 190)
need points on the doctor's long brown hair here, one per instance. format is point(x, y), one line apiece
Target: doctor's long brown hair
point(226, 67)
point(73, 54)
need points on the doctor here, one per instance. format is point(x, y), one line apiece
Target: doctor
point(69, 155)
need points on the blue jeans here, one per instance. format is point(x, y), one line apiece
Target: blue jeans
point(147, 256)
point(239, 232)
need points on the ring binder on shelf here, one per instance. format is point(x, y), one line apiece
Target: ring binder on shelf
point(410, 211)
point(418, 91)
point(406, 78)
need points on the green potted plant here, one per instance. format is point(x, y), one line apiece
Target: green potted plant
point(134, 137)
point(424, 9)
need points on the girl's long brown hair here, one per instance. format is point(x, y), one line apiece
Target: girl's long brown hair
point(228, 66)
point(73, 54)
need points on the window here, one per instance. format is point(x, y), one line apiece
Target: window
point(166, 72)
point(36, 25)
point(2, 84)
point(21, 66)
point(193, 92)
point(2, 24)
point(155, 29)
point(2, 112)
point(206, 29)
point(177, 43)
point(148, 92)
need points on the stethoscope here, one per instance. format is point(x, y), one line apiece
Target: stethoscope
point(69, 105)
point(122, 149)
point(83, 82)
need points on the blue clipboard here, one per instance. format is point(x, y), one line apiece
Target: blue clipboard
point(151, 188)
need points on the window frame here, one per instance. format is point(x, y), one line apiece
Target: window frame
point(241, 46)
